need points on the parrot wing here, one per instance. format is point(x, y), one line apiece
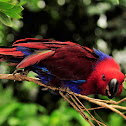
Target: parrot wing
point(66, 60)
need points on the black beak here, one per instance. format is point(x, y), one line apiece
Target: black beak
point(112, 88)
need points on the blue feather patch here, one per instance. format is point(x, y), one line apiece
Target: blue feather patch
point(102, 56)
point(44, 78)
point(44, 69)
point(73, 85)
point(26, 51)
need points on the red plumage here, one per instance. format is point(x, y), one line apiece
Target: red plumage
point(69, 61)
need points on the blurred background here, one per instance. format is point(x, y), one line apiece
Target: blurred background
point(93, 23)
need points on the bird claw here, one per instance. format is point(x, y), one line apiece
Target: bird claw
point(21, 71)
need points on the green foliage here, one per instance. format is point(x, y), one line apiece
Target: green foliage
point(115, 120)
point(14, 113)
point(9, 11)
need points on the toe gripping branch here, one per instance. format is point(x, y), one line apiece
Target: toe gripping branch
point(24, 71)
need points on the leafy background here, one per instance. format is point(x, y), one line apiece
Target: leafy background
point(93, 23)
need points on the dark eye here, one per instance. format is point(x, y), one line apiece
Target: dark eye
point(103, 77)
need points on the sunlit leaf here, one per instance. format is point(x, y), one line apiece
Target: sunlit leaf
point(117, 1)
point(15, 9)
point(12, 121)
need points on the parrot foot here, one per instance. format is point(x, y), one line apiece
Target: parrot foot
point(21, 71)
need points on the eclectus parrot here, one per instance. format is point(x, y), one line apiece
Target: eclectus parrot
point(67, 65)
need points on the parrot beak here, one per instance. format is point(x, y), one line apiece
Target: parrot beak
point(112, 88)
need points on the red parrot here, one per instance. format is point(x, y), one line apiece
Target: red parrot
point(67, 64)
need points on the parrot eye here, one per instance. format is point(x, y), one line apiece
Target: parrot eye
point(103, 77)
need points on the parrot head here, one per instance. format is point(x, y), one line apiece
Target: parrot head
point(109, 78)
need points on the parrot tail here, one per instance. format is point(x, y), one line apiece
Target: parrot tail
point(10, 55)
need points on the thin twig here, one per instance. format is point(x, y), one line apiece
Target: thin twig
point(109, 107)
point(94, 108)
point(122, 100)
point(89, 112)
point(83, 114)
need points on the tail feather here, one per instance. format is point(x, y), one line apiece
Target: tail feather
point(10, 51)
point(10, 55)
point(15, 53)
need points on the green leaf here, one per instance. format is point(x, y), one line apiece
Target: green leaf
point(98, 117)
point(15, 9)
point(4, 6)
point(12, 14)
point(6, 20)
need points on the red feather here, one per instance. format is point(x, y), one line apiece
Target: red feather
point(35, 58)
point(31, 45)
point(31, 40)
point(10, 51)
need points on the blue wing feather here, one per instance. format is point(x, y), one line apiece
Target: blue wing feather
point(73, 85)
point(44, 78)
